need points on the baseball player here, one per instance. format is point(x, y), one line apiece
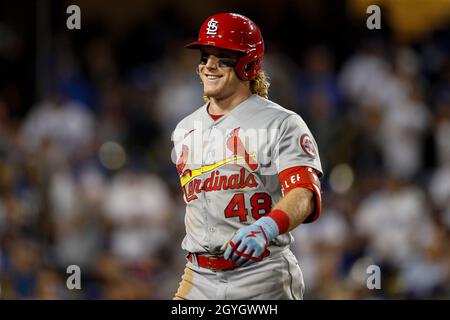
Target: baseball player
point(249, 170)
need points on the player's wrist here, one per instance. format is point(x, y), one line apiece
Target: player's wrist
point(281, 218)
point(274, 224)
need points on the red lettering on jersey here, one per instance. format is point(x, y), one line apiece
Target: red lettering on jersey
point(217, 182)
point(250, 181)
point(197, 187)
point(189, 196)
point(223, 183)
point(207, 185)
point(233, 181)
point(241, 178)
point(191, 187)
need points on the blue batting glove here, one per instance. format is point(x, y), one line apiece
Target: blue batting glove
point(251, 243)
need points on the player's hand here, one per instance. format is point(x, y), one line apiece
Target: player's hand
point(250, 244)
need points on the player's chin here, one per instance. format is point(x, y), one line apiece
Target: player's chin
point(211, 91)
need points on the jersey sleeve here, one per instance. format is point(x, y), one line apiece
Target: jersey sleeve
point(298, 161)
point(296, 146)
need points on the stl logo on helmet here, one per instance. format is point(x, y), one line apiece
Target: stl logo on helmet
point(212, 27)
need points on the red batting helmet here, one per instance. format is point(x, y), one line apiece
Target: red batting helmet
point(234, 32)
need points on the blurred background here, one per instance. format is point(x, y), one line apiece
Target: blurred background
point(86, 176)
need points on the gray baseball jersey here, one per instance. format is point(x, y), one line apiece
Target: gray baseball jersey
point(229, 168)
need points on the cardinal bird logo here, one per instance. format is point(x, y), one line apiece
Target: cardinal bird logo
point(181, 163)
point(235, 145)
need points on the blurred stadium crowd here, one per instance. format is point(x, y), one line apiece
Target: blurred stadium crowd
point(86, 176)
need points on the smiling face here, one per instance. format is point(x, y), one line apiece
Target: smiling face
point(216, 70)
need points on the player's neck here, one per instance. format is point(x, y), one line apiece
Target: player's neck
point(225, 105)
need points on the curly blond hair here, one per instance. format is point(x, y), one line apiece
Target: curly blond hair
point(258, 85)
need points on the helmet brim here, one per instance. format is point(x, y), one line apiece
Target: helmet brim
point(201, 44)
